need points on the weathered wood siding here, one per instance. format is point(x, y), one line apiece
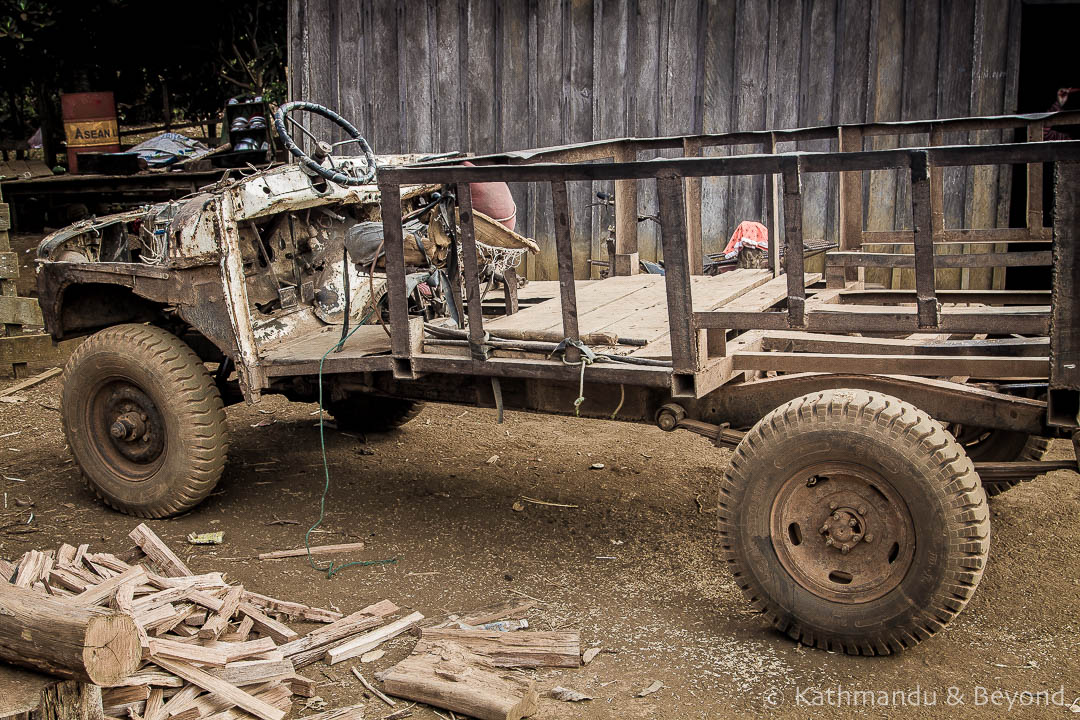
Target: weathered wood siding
point(485, 75)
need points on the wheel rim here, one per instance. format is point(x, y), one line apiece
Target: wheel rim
point(842, 532)
point(126, 429)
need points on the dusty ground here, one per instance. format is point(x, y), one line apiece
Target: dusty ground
point(662, 607)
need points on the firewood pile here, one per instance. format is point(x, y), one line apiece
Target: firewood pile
point(167, 644)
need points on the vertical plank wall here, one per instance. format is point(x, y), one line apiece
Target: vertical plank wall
point(490, 75)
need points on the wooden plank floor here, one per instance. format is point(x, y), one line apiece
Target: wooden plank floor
point(368, 340)
point(632, 306)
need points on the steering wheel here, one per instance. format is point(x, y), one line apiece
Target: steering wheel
point(346, 175)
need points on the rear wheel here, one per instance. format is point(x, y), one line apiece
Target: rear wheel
point(854, 522)
point(144, 420)
point(363, 412)
point(986, 445)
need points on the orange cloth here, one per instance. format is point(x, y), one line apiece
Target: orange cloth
point(748, 233)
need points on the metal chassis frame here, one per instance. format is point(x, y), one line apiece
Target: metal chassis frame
point(700, 363)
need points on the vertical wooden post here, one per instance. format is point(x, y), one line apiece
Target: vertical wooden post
point(471, 263)
point(924, 240)
point(564, 252)
point(394, 247)
point(1035, 186)
point(626, 225)
point(776, 232)
point(793, 244)
point(510, 290)
point(695, 250)
point(669, 191)
point(1065, 301)
point(851, 200)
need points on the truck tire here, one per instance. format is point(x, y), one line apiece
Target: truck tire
point(854, 522)
point(364, 412)
point(144, 421)
point(985, 445)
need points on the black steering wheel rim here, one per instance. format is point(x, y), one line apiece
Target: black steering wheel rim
point(332, 174)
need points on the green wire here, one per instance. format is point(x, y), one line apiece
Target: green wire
point(330, 568)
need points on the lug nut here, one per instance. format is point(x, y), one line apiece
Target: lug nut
point(836, 516)
point(851, 523)
point(869, 537)
point(845, 549)
point(825, 528)
point(118, 430)
point(833, 506)
point(146, 437)
point(828, 541)
point(862, 508)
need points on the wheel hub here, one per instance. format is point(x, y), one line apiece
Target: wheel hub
point(864, 541)
point(844, 528)
point(126, 426)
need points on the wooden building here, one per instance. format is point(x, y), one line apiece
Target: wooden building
point(485, 75)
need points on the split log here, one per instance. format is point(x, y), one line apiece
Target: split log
point(517, 649)
point(105, 590)
point(370, 641)
point(360, 620)
point(292, 609)
point(124, 695)
point(314, 550)
point(171, 649)
point(267, 625)
point(235, 651)
point(447, 675)
point(256, 706)
point(7, 570)
point(83, 643)
point(219, 621)
point(71, 701)
point(158, 551)
point(250, 672)
point(352, 712)
point(302, 686)
point(150, 677)
point(511, 608)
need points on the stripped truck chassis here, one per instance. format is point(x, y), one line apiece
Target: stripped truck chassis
point(825, 346)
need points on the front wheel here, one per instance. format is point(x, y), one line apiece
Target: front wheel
point(144, 420)
point(854, 521)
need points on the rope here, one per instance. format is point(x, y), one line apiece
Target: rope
point(588, 357)
point(330, 568)
point(622, 399)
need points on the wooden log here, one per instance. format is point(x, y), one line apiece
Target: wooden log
point(267, 625)
point(82, 643)
point(370, 641)
point(158, 551)
point(209, 581)
point(71, 701)
point(154, 703)
point(360, 620)
point(447, 675)
point(292, 609)
point(517, 649)
point(314, 550)
point(255, 706)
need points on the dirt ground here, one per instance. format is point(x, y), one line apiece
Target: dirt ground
point(633, 565)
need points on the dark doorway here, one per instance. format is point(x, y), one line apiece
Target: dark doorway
point(1048, 61)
